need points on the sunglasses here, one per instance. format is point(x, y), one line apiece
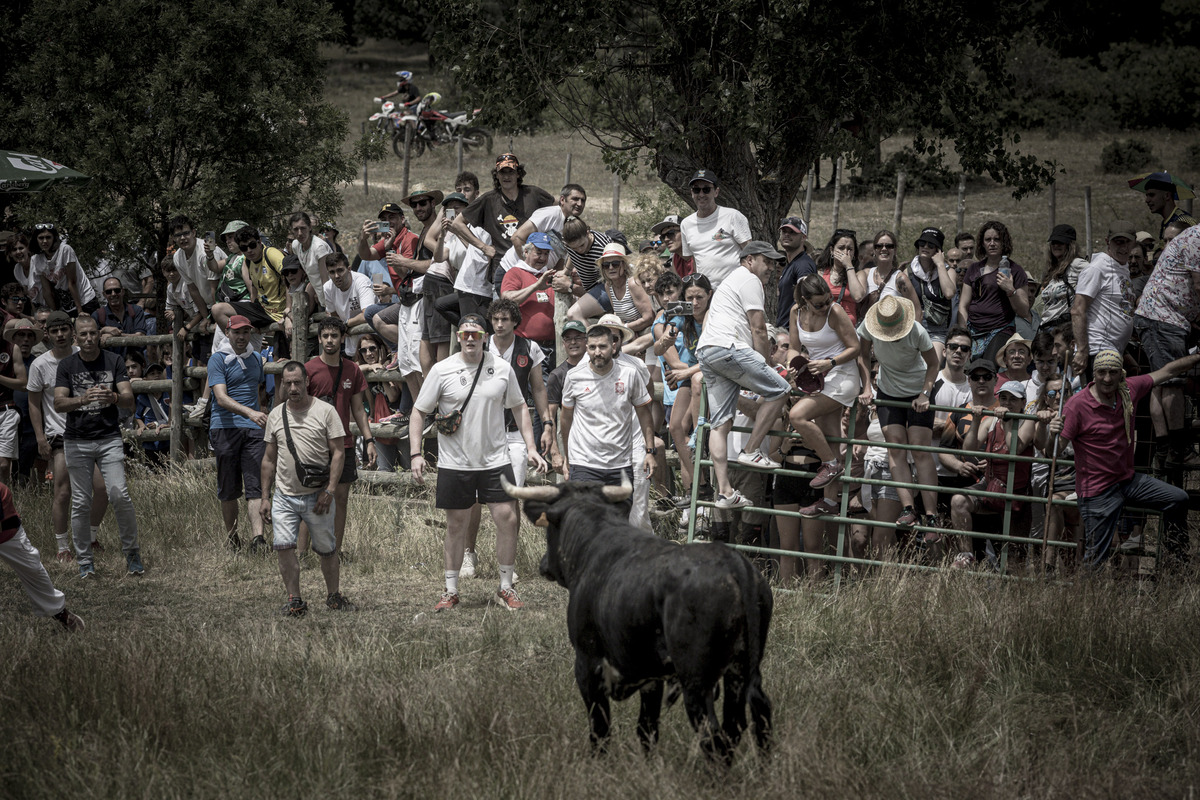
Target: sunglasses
point(886, 246)
point(692, 280)
point(421, 203)
point(1052, 392)
point(670, 234)
point(842, 233)
point(44, 226)
point(111, 292)
point(701, 189)
point(821, 307)
point(470, 336)
point(985, 377)
point(959, 348)
point(369, 349)
point(246, 248)
point(611, 264)
point(15, 299)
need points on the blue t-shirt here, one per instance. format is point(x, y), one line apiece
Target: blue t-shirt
point(241, 384)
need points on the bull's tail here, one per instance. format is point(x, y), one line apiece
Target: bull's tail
point(759, 604)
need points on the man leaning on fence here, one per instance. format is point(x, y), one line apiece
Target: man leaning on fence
point(305, 452)
point(1099, 422)
point(235, 373)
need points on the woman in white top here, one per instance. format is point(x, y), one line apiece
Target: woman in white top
point(20, 254)
point(885, 278)
point(65, 287)
point(824, 330)
point(617, 293)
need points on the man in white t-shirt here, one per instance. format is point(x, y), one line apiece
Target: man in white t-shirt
point(347, 294)
point(49, 424)
point(714, 235)
point(200, 266)
point(468, 263)
point(734, 353)
point(313, 251)
point(600, 399)
point(476, 387)
point(1102, 314)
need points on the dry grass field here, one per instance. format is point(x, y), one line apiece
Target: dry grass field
point(188, 683)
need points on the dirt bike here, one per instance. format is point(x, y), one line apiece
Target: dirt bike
point(431, 128)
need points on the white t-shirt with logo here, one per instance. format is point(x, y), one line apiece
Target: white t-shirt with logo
point(350, 303)
point(726, 324)
point(604, 420)
point(43, 375)
point(1110, 314)
point(714, 241)
point(54, 269)
point(480, 443)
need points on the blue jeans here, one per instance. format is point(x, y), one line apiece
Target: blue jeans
point(728, 370)
point(1102, 513)
point(83, 455)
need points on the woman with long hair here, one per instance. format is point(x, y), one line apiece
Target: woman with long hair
point(586, 246)
point(1059, 277)
point(886, 279)
point(20, 254)
point(994, 293)
point(675, 341)
point(382, 399)
point(934, 283)
point(838, 265)
point(65, 287)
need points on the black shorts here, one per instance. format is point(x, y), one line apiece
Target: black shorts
point(253, 311)
point(608, 477)
point(947, 485)
point(792, 490)
point(459, 489)
point(239, 453)
point(55, 442)
point(435, 328)
point(891, 415)
point(349, 467)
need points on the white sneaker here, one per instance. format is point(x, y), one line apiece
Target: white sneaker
point(734, 500)
point(470, 561)
point(683, 520)
point(757, 460)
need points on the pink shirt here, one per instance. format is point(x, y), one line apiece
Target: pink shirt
point(1103, 454)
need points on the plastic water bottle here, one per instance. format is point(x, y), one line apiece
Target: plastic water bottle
point(1005, 269)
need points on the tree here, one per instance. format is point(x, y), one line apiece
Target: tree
point(213, 109)
point(755, 90)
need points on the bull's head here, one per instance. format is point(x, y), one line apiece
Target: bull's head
point(546, 506)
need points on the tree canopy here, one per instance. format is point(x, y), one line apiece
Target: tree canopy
point(755, 90)
point(213, 109)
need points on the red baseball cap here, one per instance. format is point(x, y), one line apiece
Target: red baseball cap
point(237, 322)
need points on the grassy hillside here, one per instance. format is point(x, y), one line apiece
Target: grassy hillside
point(355, 77)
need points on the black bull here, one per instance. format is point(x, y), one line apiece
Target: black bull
point(643, 611)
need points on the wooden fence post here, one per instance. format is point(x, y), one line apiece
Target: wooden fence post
point(898, 214)
point(459, 148)
point(616, 217)
point(808, 197)
point(1087, 219)
point(408, 135)
point(178, 376)
point(299, 326)
point(567, 172)
point(366, 186)
point(1053, 204)
point(837, 191)
point(962, 203)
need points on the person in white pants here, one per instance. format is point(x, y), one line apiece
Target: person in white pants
point(19, 553)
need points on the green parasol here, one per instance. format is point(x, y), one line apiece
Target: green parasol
point(24, 173)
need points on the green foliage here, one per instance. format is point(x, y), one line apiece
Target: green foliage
point(754, 91)
point(210, 109)
point(1191, 158)
point(1125, 156)
point(923, 173)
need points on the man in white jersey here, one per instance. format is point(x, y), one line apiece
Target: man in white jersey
point(600, 398)
point(347, 295)
point(714, 235)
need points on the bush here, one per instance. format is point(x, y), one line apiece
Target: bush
point(1191, 158)
point(925, 173)
point(1125, 156)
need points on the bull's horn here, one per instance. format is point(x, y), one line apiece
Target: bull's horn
point(615, 494)
point(545, 493)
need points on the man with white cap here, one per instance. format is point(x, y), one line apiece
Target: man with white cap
point(714, 235)
point(734, 352)
point(529, 286)
point(669, 232)
point(793, 233)
point(1102, 314)
point(1098, 421)
point(604, 400)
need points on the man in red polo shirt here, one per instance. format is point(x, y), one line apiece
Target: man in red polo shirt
point(1099, 423)
point(528, 284)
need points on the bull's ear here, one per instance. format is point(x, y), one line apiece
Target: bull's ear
point(549, 518)
point(541, 521)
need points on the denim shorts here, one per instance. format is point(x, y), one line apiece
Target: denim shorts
point(1162, 343)
point(728, 370)
point(287, 511)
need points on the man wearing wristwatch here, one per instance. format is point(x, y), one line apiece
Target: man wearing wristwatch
point(314, 436)
point(338, 381)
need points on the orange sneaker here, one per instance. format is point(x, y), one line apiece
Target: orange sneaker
point(449, 600)
point(510, 600)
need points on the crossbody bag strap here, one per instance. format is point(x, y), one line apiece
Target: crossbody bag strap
point(287, 435)
point(470, 393)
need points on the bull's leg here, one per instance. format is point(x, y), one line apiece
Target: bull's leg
point(702, 713)
point(735, 708)
point(591, 687)
point(652, 695)
point(760, 711)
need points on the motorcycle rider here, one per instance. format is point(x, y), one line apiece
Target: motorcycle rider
point(405, 89)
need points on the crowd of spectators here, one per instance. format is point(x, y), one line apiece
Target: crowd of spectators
point(442, 315)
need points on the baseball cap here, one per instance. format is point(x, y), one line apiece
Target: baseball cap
point(58, 318)
point(932, 236)
point(391, 208)
point(647, 246)
point(981, 363)
point(507, 161)
point(237, 322)
point(669, 221)
point(1122, 228)
point(574, 325)
point(1062, 234)
point(234, 227)
point(1015, 388)
point(755, 247)
point(539, 240)
point(795, 223)
point(456, 197)
point(1143, 236)
point(290, 262)
point(704, 175)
